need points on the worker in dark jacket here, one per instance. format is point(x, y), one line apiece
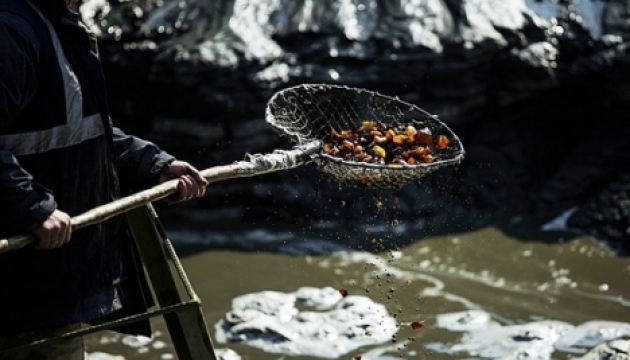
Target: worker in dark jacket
point(61, 156)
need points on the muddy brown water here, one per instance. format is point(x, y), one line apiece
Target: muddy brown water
point(516, 280)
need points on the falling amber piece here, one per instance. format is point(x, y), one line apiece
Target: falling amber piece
point(373, 241)
point(417, 325)
point(343, 292)
point(395, 222)
point(368, 231)
point(408, 282)
point(368, 334)
point(442, 142)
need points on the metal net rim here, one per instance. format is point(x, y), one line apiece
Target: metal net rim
point(395, 175)
point(399, 167)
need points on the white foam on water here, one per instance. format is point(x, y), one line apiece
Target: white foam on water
point(98, 355)
point(270, 320)
point(159, 345)
point(614, 350)
point(136, 341)
point(491, 340)
point(227, 354)
point(488, 339)
point(465, 321)
point(318, 298)
point(380, 353)
point(592, 333)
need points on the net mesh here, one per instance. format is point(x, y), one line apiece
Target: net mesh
point(308, 112)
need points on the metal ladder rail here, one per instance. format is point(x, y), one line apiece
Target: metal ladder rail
point(184, 318)
point(187, 328)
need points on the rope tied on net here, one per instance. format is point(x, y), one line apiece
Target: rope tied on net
point(257, 164)
point(265, 163)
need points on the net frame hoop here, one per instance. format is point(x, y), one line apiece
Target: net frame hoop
point(299, 139)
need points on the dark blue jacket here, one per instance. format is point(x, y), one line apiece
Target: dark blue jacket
point(58, 150)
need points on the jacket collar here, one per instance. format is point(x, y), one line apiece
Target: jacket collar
point(54, 10)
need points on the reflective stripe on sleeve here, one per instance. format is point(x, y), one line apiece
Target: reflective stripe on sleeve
point(77, 128)
point(37, 142)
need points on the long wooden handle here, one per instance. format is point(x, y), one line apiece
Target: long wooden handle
point(254, 165)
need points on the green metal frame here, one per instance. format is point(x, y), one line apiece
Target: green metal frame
point(184, 317)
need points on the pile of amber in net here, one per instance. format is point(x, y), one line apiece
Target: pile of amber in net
point(385, 144)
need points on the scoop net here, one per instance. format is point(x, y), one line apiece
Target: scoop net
point(311, 112)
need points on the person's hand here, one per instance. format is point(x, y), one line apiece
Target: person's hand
point(54, 231)
point(191, 184)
